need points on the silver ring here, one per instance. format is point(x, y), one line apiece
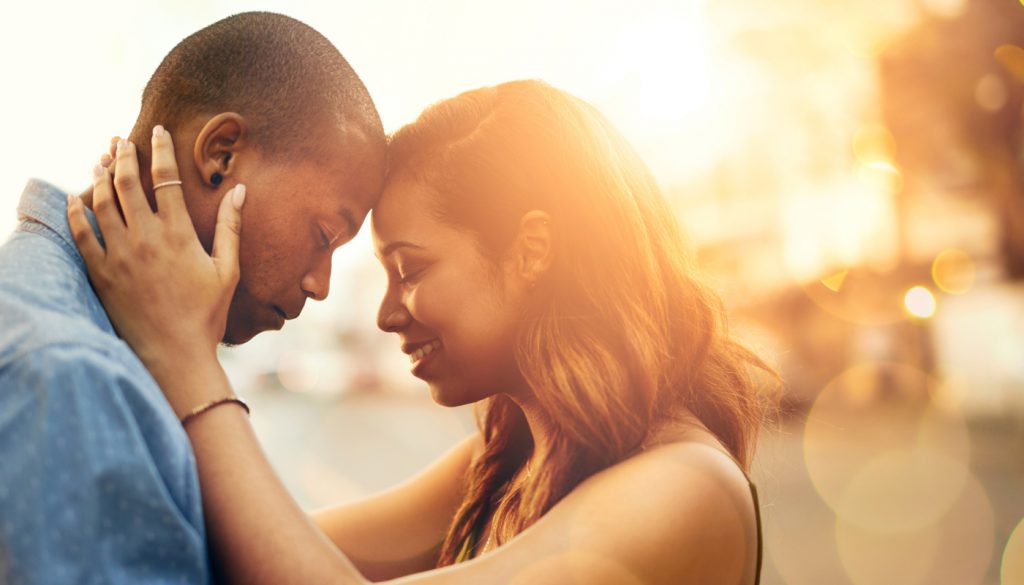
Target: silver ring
point(165, 184)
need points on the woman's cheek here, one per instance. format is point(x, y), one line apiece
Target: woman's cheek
point(420, 303)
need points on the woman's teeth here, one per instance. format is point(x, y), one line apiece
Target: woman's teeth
point(424, 351)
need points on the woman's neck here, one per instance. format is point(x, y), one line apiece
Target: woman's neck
point(541, 429)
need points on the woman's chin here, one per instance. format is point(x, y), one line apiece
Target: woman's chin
point(449, 396)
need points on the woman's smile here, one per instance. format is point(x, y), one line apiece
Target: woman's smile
point(421, 353)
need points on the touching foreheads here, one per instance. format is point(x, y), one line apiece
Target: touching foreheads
point(284, 77)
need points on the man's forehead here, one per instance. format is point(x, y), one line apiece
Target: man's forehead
point(353, 166)
point(345, 195)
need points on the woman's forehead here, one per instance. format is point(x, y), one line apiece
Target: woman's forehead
point(400, 215)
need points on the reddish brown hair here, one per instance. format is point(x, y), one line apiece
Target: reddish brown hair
point(621, 337)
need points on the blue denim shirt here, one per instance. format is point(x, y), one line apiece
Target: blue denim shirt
point(98, 482)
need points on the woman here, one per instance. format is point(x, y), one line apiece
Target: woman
point(534, 269)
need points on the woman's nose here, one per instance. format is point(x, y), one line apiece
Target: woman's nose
point(392, 316)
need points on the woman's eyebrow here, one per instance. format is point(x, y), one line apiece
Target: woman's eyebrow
point(396, 245)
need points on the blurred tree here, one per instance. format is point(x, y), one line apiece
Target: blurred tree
point(954, 110)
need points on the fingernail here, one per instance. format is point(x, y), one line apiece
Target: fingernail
point(97, 171)
point(105, 158)
point(158, 131)
point(238, 197)
point(122, 144)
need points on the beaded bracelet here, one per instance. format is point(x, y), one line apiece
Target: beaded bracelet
point(211, 405)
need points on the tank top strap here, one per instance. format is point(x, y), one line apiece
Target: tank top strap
point(757, 510)
point(760, 531)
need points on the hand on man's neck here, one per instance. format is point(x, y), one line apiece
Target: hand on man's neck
point(144, 176)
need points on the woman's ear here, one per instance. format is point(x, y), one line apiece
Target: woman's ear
point(220, 139)
point(533, 246)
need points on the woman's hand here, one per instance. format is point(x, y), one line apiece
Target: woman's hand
point(164, 294)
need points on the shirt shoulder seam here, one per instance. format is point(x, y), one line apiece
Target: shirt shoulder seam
point(32, 225)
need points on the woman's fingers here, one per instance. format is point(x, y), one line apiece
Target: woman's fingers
point(108, 157)
point(88, 245)
point(129, 188)
point(228, 233)
point(104, 205)
point(170, 200)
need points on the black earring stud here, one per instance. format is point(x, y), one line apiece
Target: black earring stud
point(216, 178)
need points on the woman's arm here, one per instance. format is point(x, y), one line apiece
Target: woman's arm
point(257, 532)
point(399, 531)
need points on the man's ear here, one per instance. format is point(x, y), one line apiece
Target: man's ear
point(219, 140)
point(533, 250)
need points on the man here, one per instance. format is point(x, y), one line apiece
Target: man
point(97, 480)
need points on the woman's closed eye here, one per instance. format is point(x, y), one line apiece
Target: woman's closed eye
point(409, 275)
point(409, 272)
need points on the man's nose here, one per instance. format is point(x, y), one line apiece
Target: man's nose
point(316, 283)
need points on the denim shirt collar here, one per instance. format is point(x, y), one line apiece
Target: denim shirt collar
point(43, 210)
point(47, 205)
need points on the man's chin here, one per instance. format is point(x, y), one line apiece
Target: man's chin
point(246, 321)
point(238, 335)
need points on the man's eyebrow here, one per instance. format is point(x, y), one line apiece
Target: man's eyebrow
point(396, 245)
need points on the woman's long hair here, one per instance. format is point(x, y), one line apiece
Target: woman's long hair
point(620, 338)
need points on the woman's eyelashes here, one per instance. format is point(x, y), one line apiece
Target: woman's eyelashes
point(409, 275)
point(409, 272)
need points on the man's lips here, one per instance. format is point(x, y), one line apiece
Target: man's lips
point(284, 315)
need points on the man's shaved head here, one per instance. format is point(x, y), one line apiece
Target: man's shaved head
point(284, 77)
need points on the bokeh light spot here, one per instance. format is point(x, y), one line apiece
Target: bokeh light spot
point(903, 490)
point(966, 538)
point(919, 302)
point(1012, 59)
point(870, 558)
point(991, 93)
point(881, 176)
point(956, 550)
point(953, 271)
point(1012, 571)
point(872, 410)
point(294, 372)
point(835, 281)
point(874, 142)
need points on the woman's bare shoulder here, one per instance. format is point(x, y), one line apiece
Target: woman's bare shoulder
point(684, 506)
point(678, 512)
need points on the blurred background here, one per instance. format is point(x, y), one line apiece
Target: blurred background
point(850, 174)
